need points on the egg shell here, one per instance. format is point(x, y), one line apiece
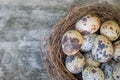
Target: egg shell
point(110, 29)
point(116, 71)
point(102, 50)
point(90, 60)
point(107, 68)
point(75, 63)
point(116, 54)
point(87, 42)
point(88, 24)
point(71, 42)
point(92, 73)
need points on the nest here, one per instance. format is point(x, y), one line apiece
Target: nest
point(55, 60)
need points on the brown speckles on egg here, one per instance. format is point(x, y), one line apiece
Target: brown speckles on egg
point(74, 40)
point(107, 68)
point(98, 58)
point(88, 16)
point(75, 63)
point(71, 42)
point(106, 46)
point(108, 43)
point(71, 45)
point(104, 55)
point(84, 24)
point(90, 60)
point(81, 56)
point(84, 19)
point(104, 26)
point(75, 43)
point(88, 24)
point(94, 27)
point(88, 41)
point(118, 33)
point(92, 73)
point(101, 45)
point(110, 29)
point(102, 51)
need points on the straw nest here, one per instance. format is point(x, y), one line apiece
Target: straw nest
point(55, 60)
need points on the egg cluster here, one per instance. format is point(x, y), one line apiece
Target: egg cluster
point(93, 48)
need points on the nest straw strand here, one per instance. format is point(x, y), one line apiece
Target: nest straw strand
point(55, 60)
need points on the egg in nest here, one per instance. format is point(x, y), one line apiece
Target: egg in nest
point(102, 50)
point(71, 42)
point(110, 29)
point(75, 63)
point(92, 73)
point(108, 69)
point(88, 24)
point(88, 41)
point(90, 60)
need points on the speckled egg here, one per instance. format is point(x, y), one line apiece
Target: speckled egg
point(102, 50)
point(92, 73)
point(90, 60)
point(75, 63)
point(116, 71)
point(116, 55)
point(107, 68)
point(88, 24)
point(110, 29)
point(71, 42)
point(88, 42)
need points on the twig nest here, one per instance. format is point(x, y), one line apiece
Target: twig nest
point(116, 55)
point(116, 71)
point(90, 60)
point(110, 29)
point(92, 73)
point(75, 63)
point(102, 50)
point(87, 42)
point(86, 21)
point(88, 24)
point(71, 42)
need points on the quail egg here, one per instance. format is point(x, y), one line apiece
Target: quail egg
point(71, 42)
point(116, 71)
point(92, 73)
point(107, 68)
point(102, 50)
point(116, 55)
point(75, 63)
point(90, 60)
point(88, 42)
point(110, 29)
point(88, 24)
